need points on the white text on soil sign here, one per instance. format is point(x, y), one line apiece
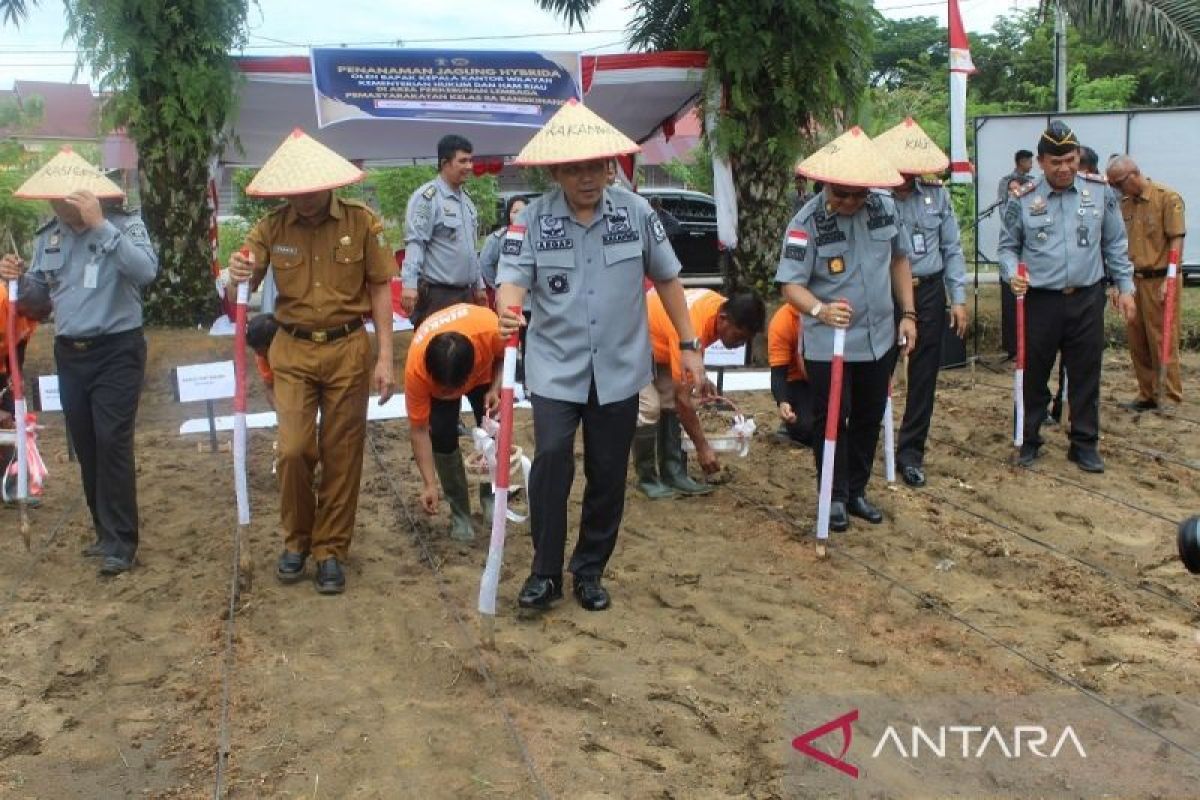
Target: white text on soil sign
point(718, 355)
point(213, 381)
point(48, 391)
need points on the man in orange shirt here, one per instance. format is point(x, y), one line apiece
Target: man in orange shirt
point(260, 332)
point(28, 312)
point(456, 351)
point(667, 402)
point(789, 382)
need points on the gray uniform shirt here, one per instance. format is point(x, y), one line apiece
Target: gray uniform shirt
point(587, 293)
point(439, 236)
point(95, 278)
point(1067, 239)
point(489, 257)
point(934, 242)
point(847, 258)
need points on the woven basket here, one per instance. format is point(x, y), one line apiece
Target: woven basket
point(731, 439)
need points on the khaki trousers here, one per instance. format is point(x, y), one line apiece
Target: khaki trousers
point(334, 377)
point(1145, 340)
point(656, 395)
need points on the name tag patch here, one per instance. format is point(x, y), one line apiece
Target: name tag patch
point(796, 245)
point(512, 240)
point(285, 250)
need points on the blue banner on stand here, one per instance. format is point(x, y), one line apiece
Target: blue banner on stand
point(464, 86)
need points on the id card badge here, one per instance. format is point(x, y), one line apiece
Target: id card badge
point(1081, 236)
point(91, 274)
point(918, 243)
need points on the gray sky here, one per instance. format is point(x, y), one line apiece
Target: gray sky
point(36, 50)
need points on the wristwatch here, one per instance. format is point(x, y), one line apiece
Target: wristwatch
point(815, 311)
point(690, 344)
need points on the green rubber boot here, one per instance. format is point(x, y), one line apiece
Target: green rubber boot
point(672, 463)
point(644, 442)
point(453, 477)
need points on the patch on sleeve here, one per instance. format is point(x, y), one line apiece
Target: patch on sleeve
point(137, 233)
point(1012, 213)
point(656, 228)
point(514, 237)
point(796, 244)
point(429, 192)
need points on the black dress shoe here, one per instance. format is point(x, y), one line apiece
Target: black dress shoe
point(590, 594)
point(838, 521)
point(94, 550)
point(1028, 454)
point(539, 592)
point(1086, 457)
point(115, 565)
point(913, 476)
point(330, 579)
point(1140, 405)
point(860, 507)
point(290, 567)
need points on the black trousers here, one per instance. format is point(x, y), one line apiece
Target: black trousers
point(7, 403)
point(445, 414)
point(1008, 319)
point(432, 297)
point(607, 439)
point(800, 396)
point(923, 367)
point(100, 384)
point(1072, 324)
point(864, 398)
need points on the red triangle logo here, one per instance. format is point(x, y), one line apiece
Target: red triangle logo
point(844, 723)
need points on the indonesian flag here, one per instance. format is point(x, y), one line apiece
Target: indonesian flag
point(960, 67)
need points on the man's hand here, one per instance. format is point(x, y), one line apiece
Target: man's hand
point(708, 460)
point(88, 207)
point(787, 414)
point(694, 373)
point(408, 300)
point(1127, 306)
point(510, 322)
point(430, 497)
point(385, 380)
point(837, 314)
point(491, 400)
point(241, 267)
point(481, 298)
point(11, 267)
point(1019, 285)
point(1112, 293)
point(958, 319)
point(907, 333)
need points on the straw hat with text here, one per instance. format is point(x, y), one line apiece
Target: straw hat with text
point(64, 174)
point(302, 165)
point(910, 149)
point(574, 133)
point(852, 159)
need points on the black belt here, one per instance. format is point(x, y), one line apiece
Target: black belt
point(455, 286)
point(1067, 290)
point(919, 279)
point(1152, 273)
point(85, 343)
point(322, 336)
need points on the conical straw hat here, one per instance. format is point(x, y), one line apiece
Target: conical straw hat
point(852, 159)
point(910, 149)
point(302, 165)
point(574, 133)
point(67, 172)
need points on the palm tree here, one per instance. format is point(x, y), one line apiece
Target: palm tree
point(13, 11)
point(1174, 25)
point(787, 67)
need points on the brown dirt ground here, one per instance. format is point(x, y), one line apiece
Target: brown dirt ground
point(722, 615)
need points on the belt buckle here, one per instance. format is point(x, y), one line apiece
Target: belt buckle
point(320, 337)
point(1069, 290)
point(916, 281)
point(78, 344)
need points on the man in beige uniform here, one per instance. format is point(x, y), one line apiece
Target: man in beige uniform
point(1154, 222)
point(331, 267)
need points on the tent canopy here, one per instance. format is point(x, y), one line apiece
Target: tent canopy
point(636, 92)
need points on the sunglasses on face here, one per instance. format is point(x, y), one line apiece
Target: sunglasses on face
point(845, 194)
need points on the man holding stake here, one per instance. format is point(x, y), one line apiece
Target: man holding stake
point(1068, 231)
point(582, 251)
point(844, 264)
point(331, 267)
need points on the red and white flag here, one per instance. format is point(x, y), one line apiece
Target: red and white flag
point(960, 67)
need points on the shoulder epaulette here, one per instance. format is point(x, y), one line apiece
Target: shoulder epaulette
point(279, 209)
point(1094, 178)
point(347, 201)
point(47, 225)
point(1027, 188)
point(429, 192)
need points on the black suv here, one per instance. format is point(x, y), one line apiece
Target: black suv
point(695, 238)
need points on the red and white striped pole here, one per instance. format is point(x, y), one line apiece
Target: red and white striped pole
point(489, 584)
point(240, 485)
point(19, 410)
point(1169, 303)
point(1019, 370)
point(833, 415)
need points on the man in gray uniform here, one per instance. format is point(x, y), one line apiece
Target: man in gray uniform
point(1068, 231)
point(441, 267)
point(94, 261)
point(844, 264)
point(938, 268)
point(581, 251)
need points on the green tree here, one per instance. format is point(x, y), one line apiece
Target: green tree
point(13, 11)
point(250, 209)
point(787, 67)
point(18, 218)
point(173, 85)
point(1173, 25)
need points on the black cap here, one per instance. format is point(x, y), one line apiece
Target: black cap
point(1057, 140)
